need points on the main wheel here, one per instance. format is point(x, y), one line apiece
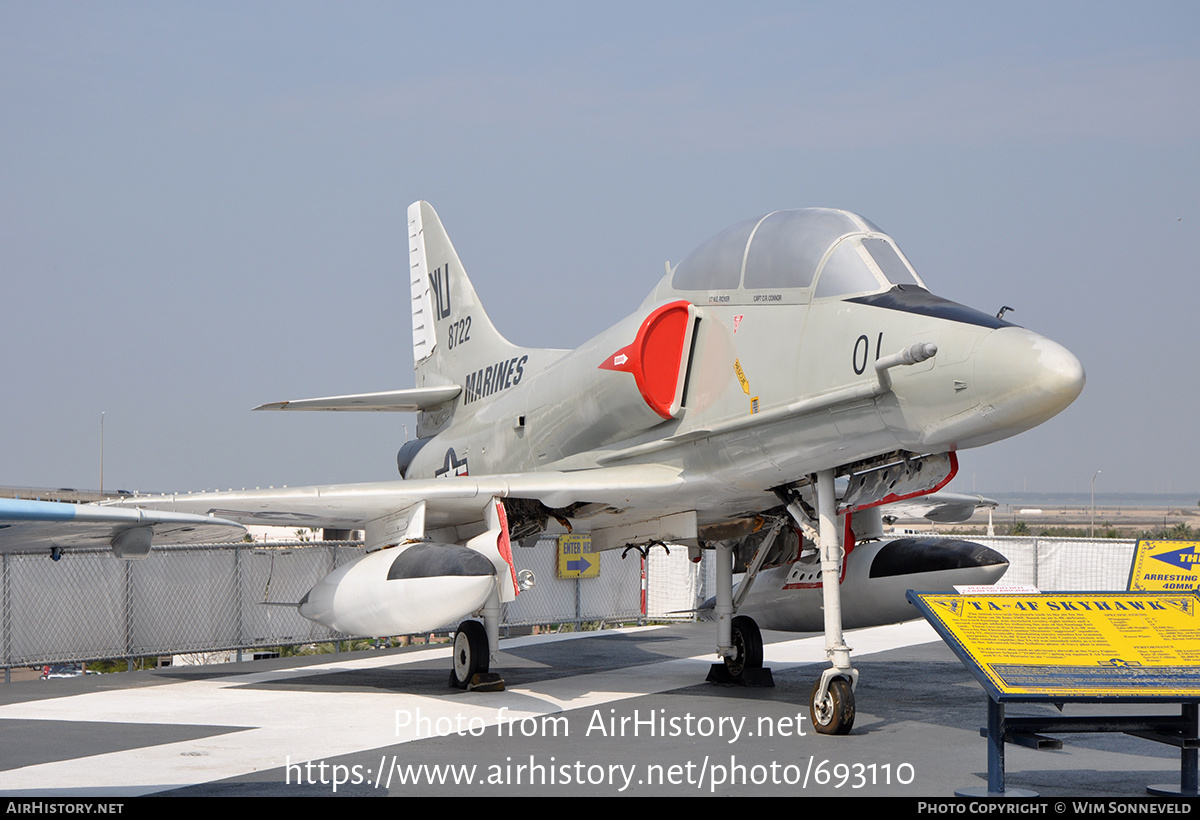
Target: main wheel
point(747, 640)
point(834, 715)
point(470, 653)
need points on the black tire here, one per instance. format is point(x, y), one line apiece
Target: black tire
point(747, 639)
point(470, 653)
point(834, 715)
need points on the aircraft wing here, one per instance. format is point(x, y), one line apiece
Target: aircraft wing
point(129, 531)
point(944, 508)
point(613, 495)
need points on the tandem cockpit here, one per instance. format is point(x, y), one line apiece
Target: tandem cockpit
point(794, 257)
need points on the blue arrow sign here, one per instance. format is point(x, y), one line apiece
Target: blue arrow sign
point(1185, 558)
point(578, 565)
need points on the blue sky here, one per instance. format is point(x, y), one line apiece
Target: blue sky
point(202, 206)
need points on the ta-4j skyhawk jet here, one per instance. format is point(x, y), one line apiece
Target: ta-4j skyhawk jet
point(785, 354)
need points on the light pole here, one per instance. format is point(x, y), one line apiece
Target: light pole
point(101, 452)
point(1093, 526)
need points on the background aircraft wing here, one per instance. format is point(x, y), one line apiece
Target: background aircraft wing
point(610, 495)
point(128, 530)
point(941, 507)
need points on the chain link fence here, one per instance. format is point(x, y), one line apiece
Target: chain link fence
point(203, 599)
point(213, 598)
point(1063, 564)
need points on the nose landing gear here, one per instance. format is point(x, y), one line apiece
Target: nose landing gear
point(832, 712)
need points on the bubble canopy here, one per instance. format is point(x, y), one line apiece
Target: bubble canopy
point(840, 251)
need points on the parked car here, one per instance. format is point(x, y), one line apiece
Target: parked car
point(70, 670)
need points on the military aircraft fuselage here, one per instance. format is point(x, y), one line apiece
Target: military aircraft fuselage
point(754, 362)
point(781, 354)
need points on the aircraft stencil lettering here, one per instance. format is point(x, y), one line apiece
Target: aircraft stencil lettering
point(863, 343)
point(441, 291)
point(654, 446)
point(493, 378)
point(741, 377)
point(459, 332)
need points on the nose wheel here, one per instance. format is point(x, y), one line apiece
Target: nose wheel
point(832, 713)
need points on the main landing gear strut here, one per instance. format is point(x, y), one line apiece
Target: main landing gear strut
point(739, 641)
point(831, 703)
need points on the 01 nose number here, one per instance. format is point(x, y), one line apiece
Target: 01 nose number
point(862, 352)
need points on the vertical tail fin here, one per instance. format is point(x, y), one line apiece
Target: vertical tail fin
point(452, 334)
point(454, 341)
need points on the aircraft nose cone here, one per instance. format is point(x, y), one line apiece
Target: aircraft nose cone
point(1024, 379)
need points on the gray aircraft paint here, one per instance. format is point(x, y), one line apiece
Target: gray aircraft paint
point(778, 325)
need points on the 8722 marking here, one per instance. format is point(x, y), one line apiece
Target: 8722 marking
point(460, 332)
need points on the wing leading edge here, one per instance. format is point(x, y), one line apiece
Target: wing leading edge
point(130, 532)
point(613, 495)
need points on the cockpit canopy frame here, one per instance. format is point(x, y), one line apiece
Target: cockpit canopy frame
point(816, 253)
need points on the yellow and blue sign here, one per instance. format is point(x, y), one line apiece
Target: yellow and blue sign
point(575, 557)
point(1165, 566)
point(1077, 645)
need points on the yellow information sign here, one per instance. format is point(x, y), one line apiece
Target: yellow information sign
point(1165, 566)
point(1077, 645)
point(575, 557)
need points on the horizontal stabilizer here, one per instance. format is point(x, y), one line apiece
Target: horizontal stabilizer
point(412, 400)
